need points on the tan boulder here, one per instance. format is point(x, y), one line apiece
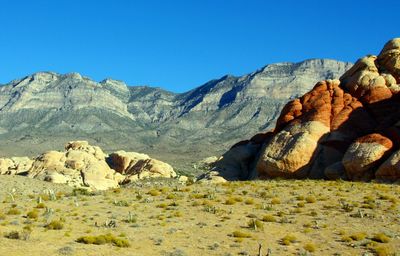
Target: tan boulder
point(365, 154)
point(365, 82)
point(81, 165)
point(139, 166)
point(389, 58)
point(15, 165)
point(5, 165)
point(211, 177)
point(390, 169)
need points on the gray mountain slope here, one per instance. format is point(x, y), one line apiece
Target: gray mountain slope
point(44, 110)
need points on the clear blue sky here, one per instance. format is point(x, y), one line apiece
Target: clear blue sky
point(178, 45)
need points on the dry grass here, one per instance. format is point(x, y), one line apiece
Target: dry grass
point(157, 218)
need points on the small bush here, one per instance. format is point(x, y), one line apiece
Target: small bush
point(40, 206)
point(249, 201)
point(288, 239)
point(154, 192)
point(381, 238)
point(269, 218)
point(103, 239)
point(34, 214)
point(255, 224)
point(358, 236)
point(310, 199)
point(55, 225)
point(275, 200)
point(13, 211)
point(241, 234)
point(310, 247)
point(230, 201)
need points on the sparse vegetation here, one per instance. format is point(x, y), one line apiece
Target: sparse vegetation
point(278, 211)
point(104, 239)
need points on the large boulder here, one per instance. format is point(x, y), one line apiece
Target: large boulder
point(81, 165)
point(139, 166)
point(390, 169)
point(364, 155)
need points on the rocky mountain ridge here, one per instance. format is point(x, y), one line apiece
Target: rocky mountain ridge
point(199, 123)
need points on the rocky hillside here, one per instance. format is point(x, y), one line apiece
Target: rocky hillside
point(39, 112)
point(347, 128)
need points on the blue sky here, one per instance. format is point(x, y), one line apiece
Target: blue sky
point(178, 45)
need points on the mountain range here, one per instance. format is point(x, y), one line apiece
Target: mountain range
point(44, 110)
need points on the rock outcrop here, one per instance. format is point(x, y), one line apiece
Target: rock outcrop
point(137, 166)
point(15, 165)
point(81, 165)
point(84, 166)
point(347, 129)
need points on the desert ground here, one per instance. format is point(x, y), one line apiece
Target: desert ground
point(164, 217)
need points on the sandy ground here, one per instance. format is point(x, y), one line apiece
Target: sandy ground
point(165, 218)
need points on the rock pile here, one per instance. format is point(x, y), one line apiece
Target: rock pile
point(83, 165)
point(347, 128)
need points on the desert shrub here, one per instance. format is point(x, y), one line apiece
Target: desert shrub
point(103, 239)
point(122, 203)
point(269, 218)
point(171, 196)
point(249, 201)
point(288, 239)
point(255, 224)
point(13, 211)
point(162, 205)
point(2, 216)
point(310, 247)
point(301, 204)
point(346, 239)
point(233, 200)
point(40, 206)
point(383, 250)
point(154, 192)
point(55, 225)
point(310, 199)
point(275, 200)
point(13, 235)
point(381, 238)
point(241, 234)
point(358, 236)
point(24, 235)
point(34, 214)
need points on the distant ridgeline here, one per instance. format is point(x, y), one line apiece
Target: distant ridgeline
point(41, 111)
